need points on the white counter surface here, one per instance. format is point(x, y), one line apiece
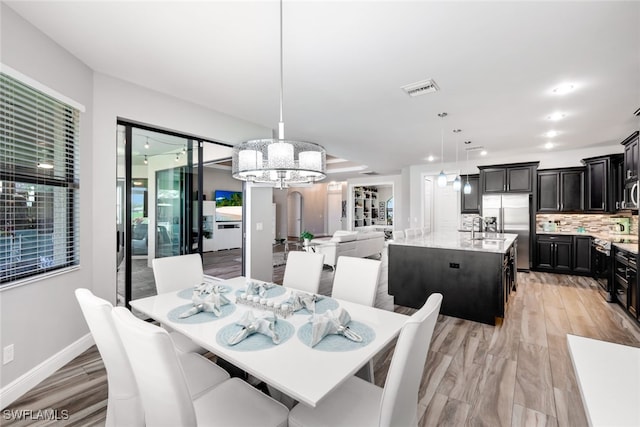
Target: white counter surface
point(461, 241)
point(608, 375)
point(629, 247)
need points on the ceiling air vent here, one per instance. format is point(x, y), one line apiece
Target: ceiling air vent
point(478, 148)
point(370, 173)
point(421, 88)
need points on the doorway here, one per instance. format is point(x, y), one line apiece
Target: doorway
point(294, 214)
point(159, 206)
point(441, 210)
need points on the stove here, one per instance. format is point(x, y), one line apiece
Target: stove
point(602, 245)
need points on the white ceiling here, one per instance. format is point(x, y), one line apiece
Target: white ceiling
point(344, 64)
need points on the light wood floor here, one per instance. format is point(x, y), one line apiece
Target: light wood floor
point(518, 373)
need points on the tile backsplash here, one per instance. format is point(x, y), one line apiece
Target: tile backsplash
point(591, 223)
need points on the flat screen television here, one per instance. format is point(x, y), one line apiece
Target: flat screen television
point(228, 205)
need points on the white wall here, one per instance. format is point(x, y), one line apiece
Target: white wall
point(113, 99)
point(43, 318)
point(314, 208)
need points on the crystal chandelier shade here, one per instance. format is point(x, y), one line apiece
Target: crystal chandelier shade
point(281, 162)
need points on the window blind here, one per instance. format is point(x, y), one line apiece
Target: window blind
point(39, 182)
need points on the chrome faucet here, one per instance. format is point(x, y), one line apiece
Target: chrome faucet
point(473, 226)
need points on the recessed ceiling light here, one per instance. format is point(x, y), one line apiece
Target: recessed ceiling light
point(563, 89)
point(467, 142)
point(556, 116)
point(430, 158)
point(548, 145)
point(483, 153)
point(551, 134)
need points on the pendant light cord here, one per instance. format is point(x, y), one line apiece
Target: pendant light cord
point(281, 123)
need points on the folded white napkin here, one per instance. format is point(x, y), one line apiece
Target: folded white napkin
point(332, 322)
point(265, 325)
point(300, 300)
point(209, 287)
point(208, 302)
point(258, 288)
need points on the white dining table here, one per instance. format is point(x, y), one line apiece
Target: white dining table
point(304, 373)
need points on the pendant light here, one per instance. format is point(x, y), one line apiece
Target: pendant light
point(442, 178)
point(457, 183)
point(279, 162)
point(467, 186)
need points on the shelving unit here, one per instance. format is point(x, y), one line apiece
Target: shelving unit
point(365, 206)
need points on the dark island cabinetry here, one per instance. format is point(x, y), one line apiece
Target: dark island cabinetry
point(475, 284)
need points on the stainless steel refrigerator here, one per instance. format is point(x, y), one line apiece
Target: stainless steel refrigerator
point(512, 213)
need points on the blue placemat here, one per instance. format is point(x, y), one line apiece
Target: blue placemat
point(255, 341)
point(338, 342)
point(188, 293)
point(275, 291)
point(323, 305)
point(200, 317)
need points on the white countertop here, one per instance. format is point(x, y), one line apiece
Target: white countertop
point(629, 247)
point(493, 242)
point(608, 375)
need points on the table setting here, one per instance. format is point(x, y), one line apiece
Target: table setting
point(268, 330)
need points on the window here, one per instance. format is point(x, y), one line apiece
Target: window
point(39, 182)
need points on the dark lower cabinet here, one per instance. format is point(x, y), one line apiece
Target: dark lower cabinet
point(563, 254)
point(582, 254)
point(626, 280)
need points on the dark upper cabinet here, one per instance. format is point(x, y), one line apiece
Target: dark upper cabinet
point(560, 190)
point(619, 168)
point(631, 154)
point(495, 180)
point(548, 191)
point(512, 178)
point(601, 183)
point(470, 203)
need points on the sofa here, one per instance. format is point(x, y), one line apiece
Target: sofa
point(349, 243)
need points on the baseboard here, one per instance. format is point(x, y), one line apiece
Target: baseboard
point(15, 389)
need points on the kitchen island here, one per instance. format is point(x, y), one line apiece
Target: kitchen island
point(475, 276)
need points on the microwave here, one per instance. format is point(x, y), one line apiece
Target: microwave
point(630, 195)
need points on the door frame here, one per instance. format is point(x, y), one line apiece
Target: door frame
point(195, 143)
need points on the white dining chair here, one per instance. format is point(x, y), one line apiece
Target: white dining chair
point(356, 280)
point(124, 405)
point(173, 274)
point(410, 233)
point(164, 391)
point(398, 234)
point(303, 271)
point(360, 403)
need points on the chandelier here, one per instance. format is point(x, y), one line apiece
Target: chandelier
point(280, 162)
